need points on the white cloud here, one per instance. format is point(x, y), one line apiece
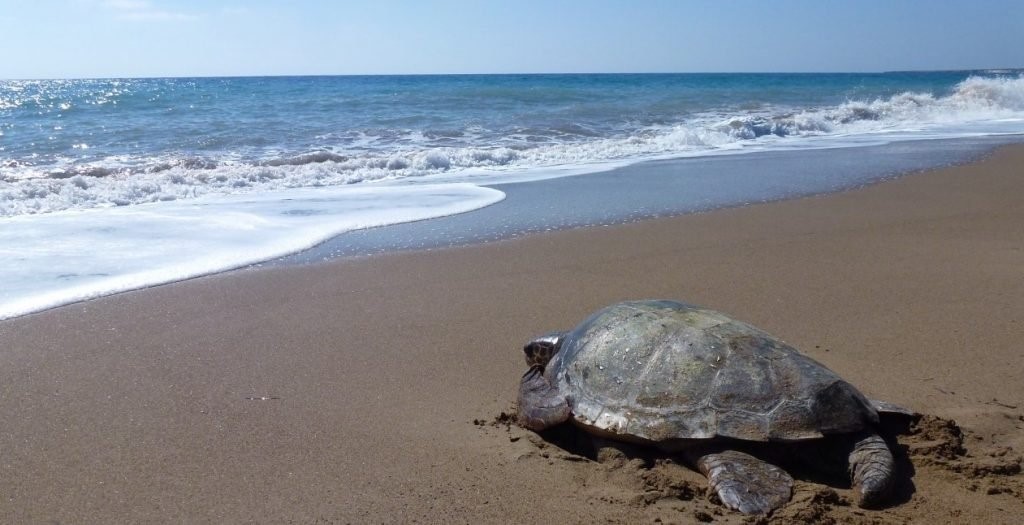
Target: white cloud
point(155, 14)
point(128, 5)
point(232, 11)
point(143, 10)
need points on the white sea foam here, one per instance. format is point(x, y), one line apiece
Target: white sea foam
point(88, 228)
point(976, 106)
point(52, 259)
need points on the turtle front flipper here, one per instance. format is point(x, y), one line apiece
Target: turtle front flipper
point(871, 470)
point(745, 483)
point(541, 405)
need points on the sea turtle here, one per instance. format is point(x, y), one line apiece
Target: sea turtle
point(696, 382)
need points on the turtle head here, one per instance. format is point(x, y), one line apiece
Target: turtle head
point(542, 349)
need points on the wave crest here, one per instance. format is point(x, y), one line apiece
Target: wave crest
point(28, 189)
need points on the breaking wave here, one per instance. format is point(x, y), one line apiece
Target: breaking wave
point(30, 188)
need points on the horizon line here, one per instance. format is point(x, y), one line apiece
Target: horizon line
point(322, 75)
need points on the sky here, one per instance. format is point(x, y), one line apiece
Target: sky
point(145, 38)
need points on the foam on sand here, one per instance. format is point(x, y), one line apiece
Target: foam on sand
point(58, 258)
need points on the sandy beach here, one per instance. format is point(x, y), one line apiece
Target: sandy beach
point(372, 389)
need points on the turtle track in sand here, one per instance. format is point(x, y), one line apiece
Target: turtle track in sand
point(946, 471)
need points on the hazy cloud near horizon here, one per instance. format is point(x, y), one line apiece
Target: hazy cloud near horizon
point(145, 10)
point(83, 38)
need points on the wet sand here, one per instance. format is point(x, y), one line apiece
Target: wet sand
point(370, 390)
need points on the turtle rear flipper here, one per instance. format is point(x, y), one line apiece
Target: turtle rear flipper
point(541, 405)
point(745, 483)
point(871, 470)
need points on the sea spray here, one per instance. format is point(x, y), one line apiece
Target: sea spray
point(110, 185)
point(203, 153)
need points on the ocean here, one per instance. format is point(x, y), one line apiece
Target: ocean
point(115, 184)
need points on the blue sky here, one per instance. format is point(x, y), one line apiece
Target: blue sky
point(103, 38)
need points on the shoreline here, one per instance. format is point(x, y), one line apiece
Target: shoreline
point(379, 371)
point(655, 189)
point(635, 192)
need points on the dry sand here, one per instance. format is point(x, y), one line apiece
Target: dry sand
point(348, 391)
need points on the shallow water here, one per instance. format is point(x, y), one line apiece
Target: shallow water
point(109, 185)
point(73, 144)
point(657, 189)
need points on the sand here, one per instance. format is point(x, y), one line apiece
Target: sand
point(372, 390)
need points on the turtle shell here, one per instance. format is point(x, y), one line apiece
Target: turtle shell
point(664, 370)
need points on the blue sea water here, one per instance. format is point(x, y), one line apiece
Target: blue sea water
point(113, 184)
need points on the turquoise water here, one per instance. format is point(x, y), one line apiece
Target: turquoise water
point(115, 184)
point(176, 138)
point(263, 118)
